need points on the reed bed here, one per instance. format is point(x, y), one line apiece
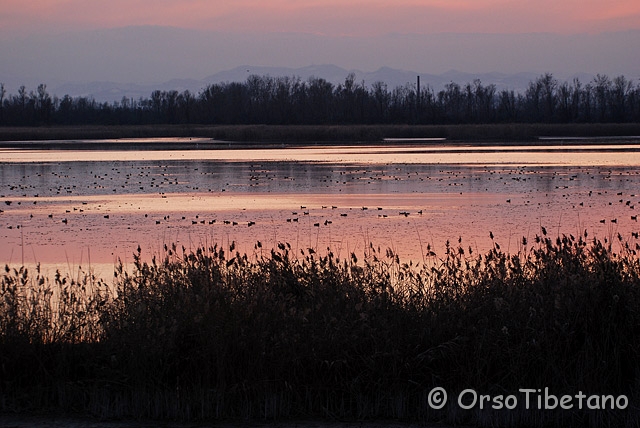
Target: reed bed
point(213, 334)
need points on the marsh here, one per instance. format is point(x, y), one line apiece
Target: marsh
point(70, 208)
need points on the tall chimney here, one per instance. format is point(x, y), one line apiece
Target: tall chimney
point(418, 94)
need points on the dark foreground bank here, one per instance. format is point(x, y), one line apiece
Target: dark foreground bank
point(512, 132)
point(546, 337)
point(65, 421)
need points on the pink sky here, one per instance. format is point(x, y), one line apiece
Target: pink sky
point(150, 41)
point(334, 17)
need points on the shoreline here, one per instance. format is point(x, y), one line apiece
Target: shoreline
point(263, 136)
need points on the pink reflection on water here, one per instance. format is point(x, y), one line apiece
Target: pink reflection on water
point(73, 212)
point(584, 155)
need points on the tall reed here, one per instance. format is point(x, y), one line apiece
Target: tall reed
point(213, 334)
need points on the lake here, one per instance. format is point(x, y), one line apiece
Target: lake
point(88, 208)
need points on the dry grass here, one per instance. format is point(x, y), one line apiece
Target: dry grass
point(214, 334)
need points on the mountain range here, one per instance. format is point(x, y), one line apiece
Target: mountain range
point(112, 91)
point(108, 64)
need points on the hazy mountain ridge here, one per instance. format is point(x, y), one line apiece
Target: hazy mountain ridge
point(113, 91)
point(108, 64)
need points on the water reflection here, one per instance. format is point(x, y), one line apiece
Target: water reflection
point(67, 209)
point(588, 155)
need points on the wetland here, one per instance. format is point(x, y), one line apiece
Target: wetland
point(318, 282)
point(79, 207)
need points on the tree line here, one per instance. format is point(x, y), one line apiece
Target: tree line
point(291, 100)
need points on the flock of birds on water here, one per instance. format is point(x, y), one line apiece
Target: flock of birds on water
point(170, 179)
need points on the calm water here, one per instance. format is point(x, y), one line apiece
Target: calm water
point(74, 208)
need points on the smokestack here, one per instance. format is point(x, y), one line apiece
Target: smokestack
point(418, 94)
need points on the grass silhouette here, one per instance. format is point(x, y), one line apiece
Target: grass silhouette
point(213, 334)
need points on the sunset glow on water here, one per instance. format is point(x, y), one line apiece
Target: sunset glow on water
point(575, 155)
point(68, 209)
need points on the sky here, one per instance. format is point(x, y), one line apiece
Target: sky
point(354, 18)
point(155, 40)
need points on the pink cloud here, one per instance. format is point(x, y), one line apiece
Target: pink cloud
point(357, 17)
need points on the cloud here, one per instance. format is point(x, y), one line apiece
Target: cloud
point(356, 17)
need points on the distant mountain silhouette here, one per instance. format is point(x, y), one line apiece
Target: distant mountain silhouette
point(111, 91)
point(145, 58)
